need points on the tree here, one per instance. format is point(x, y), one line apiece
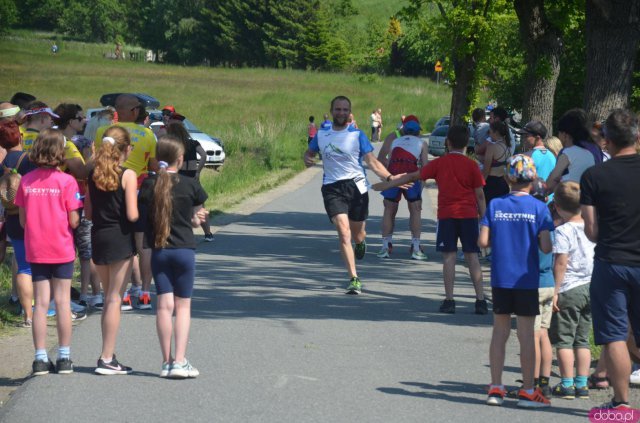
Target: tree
point(543, 47)
point(460, 30)
point(8, 14)
point(613, 34)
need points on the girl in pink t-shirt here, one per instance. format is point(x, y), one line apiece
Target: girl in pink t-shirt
point(49, 200)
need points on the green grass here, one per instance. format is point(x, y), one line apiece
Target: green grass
point(260, 114)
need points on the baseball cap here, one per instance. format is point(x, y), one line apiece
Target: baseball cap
point(412, 125)
point(410, 118)
point(535, 127)
point(169, 108)
point(521, 169)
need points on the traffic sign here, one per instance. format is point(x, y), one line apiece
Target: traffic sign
point(438, 66)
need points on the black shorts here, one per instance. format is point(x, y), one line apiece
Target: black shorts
point(41, 272)
point(521, 302)
point(343, 197)
point(450, 230)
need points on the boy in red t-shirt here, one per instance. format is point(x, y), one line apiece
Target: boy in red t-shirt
point(460, 204)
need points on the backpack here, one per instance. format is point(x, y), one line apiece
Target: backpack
point(9, 182)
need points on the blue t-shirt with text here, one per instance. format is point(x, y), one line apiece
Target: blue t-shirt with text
point(514, 222)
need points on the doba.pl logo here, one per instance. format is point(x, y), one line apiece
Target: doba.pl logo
point(603, 415)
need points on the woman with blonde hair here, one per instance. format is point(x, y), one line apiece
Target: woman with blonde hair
point(554, 145)
point(112, 205)
point(175, 204)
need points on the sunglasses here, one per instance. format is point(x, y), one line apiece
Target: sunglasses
point(79, 118)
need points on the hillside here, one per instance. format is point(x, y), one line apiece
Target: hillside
point(261, 114)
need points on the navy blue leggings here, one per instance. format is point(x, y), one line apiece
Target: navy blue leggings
point(174, 270)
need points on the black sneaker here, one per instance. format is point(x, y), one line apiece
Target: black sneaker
point(448, 306)
point(208, 238)
point(582, 392)
point(64, 366)
point(360, 250)
point(113, 368)
point(77, 316)
point(546, 391)
point(482, 307)
point(565, 392)
point(41, 367)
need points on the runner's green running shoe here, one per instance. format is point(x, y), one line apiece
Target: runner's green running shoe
point(360, 250)
point(355, 287)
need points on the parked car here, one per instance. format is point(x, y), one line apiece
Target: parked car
point(214, 147)
point(437, 146)
point(444, 120)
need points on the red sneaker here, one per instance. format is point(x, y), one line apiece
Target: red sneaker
point(535, 400)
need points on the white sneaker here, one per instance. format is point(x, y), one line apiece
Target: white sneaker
point(182, 370)
point(384, 253)
point(418, 254)
point(634, 378)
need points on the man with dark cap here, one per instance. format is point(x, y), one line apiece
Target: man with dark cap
point(533, 135)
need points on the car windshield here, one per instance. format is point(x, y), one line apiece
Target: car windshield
point(190, 126)
point(440, 131)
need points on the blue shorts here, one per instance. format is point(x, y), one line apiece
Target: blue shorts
point(174, 270)
point(21, 256)
point(450, 230)
point(42, 271)
point(615, 302)
point(411, 194)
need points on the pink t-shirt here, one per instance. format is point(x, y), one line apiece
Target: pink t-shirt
point(48, 195)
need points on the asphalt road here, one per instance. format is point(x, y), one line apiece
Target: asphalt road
point(276, 339)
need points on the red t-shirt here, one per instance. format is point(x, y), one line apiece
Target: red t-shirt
point(457, 177)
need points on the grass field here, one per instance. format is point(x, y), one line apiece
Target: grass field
point(260, 114)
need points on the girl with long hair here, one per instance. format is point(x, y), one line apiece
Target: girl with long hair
point(49, 200)
point(495, 160)
point(175, 204)
point(191, 165)
point(112, 205)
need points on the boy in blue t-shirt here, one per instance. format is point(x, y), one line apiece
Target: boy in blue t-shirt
point(514, 226)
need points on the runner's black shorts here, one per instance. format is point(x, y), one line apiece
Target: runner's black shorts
point(521, 302)
point(343, 197)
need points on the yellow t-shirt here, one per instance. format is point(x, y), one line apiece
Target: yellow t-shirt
point(28, 137)
point(71, 152)
point(143, 143)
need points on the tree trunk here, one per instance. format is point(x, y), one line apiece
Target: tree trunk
point(613, 33)
point(463, 88)
point(543, 49)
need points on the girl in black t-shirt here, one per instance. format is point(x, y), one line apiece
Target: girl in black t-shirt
point(112, 206)
point(175, 202)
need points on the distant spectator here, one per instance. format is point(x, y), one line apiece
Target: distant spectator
point(312, 129)
point(326, 124)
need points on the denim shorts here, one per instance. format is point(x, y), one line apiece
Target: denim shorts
point(21, 256)
point(615, 302)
